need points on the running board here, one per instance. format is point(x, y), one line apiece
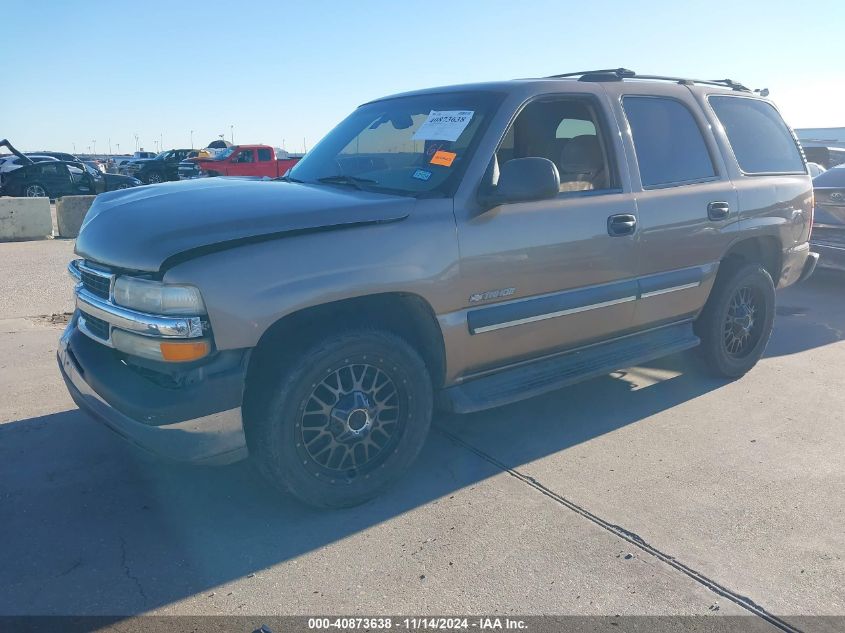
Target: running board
point(542, 376)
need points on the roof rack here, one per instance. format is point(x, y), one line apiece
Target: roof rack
point(618, 74)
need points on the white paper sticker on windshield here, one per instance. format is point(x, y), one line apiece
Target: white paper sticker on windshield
point(443, 125)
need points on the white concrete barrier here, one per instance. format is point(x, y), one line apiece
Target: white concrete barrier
point(25, 219)
point(70, 212)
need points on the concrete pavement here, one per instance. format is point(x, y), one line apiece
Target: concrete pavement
point(656, 490)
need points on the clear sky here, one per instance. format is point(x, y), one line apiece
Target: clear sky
point(74, 72)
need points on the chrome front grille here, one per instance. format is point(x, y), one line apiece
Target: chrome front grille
point(97, 282)
point(97, 327)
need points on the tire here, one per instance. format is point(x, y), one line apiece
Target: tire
point(154, 178)
point(122, 186)
point(344, 420)
point(36, 190)
point(737, 320)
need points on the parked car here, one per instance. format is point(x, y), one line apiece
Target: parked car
point(241, 160)
point(468, 246)
point(828, 236)
point(54, 179)
point(164, 167)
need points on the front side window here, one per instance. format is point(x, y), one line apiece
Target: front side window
point(761, 141)
point(413, 146)
point(668, 142)
point(244, 157)
point(566, 132)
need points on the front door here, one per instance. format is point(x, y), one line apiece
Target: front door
point(245, 163)
point(550, 275)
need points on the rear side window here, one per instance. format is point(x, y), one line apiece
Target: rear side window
point(668, 142)
point(760, 139)
point(264, 154)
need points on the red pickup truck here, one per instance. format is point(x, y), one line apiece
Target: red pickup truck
point(240, 160)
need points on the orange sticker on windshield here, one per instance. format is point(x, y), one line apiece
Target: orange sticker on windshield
point(443, 158)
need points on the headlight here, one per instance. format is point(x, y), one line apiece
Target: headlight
point(135, 181)
point(154, 297)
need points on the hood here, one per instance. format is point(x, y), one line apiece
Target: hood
point(149, 228)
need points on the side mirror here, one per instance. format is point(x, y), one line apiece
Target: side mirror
point(524, 179)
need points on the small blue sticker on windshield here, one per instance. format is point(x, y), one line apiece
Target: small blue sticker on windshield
point(421, 174)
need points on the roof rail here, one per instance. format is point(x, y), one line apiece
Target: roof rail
point(618, 74)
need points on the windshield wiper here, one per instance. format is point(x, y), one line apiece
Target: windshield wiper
point(354, 181)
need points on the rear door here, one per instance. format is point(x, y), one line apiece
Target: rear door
point(686, 203)
point(266, 162)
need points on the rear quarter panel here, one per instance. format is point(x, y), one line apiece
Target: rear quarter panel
point(778, 206)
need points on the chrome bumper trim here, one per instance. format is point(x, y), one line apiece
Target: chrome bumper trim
point(73, 271)
point(138, 322)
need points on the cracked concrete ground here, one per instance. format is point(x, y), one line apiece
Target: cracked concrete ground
point(655, 490)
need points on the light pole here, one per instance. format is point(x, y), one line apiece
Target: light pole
point(94, 143)
point(161, 141)
point(74, 147)
point(118, 148)
point(232, 131)
point(192, 139)
point(136, 141)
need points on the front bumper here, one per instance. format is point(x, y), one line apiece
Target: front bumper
point(209, 437)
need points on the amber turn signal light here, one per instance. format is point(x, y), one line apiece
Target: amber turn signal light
point(184, 351)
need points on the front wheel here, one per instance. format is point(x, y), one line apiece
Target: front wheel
point(736, 323)
point(344, 420)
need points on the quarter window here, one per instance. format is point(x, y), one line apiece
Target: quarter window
point(758, 136)
point(669, 145)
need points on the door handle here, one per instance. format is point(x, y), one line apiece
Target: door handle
point(621, 224)
point(718, 210)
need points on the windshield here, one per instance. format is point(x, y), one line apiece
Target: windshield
point(162, 156)
point(408, 145)
point(224, 154)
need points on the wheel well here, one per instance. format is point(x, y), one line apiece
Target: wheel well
point(406, 315)
point(763, 250)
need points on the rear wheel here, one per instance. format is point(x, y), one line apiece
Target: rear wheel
point(344, 420)
point(155, 178)
point(737, 321)
point(36, 190)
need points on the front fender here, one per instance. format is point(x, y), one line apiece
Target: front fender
point(248, 288)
